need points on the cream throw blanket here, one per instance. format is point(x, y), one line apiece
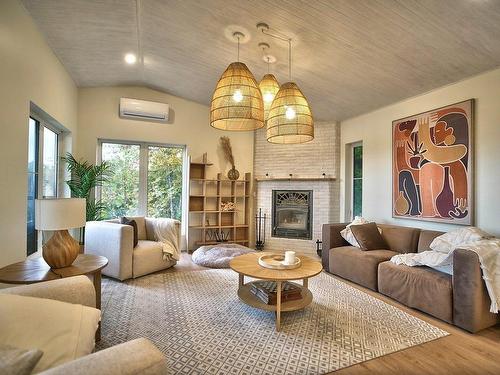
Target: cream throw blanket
point(166, 232)
point(488, 251)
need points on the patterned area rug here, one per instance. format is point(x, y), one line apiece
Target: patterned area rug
point(197, 320)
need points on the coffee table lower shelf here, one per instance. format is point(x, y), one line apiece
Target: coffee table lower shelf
point(246, 296)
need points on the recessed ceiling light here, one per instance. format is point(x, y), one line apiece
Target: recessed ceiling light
point(130, 58)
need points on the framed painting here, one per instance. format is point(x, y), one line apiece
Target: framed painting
point(432, 165)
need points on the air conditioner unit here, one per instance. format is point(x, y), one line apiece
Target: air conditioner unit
point(143, 110)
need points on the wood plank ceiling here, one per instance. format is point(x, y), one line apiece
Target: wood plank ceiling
point(349, 57)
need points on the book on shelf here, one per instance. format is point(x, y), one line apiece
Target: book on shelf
point(266, 292)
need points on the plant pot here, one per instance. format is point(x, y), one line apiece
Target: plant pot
point(233, 174)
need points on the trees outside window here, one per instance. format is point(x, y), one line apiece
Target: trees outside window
point(147, 180)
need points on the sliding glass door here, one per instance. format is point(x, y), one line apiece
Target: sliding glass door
point(147, 180)
point(43, 166)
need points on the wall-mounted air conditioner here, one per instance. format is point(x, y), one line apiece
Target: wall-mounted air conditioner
point(143, 110)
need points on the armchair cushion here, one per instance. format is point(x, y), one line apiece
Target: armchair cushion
point(62, 331)
point(148, 258)
point(15, 361)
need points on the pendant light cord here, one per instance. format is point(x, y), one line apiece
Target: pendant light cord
point(284, 38)
point(290, 60)
point(238, 47)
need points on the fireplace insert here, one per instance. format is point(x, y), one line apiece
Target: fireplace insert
point(292, 214)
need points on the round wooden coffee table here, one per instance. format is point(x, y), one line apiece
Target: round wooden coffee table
point(248, 265)
point(35, 270)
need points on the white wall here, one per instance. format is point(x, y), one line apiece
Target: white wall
point(29, 71)
point(374, 129)
point(189, 125)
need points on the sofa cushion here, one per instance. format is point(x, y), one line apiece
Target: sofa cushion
point(421, 288)
point(400, 239)
point(425, 239)
point(368, 236)
point(62, 331)
point(148, 257)
point(357, 265)
point(141, 226)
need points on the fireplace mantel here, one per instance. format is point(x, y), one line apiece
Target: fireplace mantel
point(261, 179)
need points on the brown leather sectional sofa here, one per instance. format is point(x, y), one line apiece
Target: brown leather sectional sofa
point(460, 299)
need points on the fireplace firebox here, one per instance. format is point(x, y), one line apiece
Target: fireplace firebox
point(292, 214)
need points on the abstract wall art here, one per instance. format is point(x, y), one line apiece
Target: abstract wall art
point(432, 165)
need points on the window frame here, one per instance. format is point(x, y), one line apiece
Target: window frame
point(353, 178)
point(41, 125)
point(143, 171)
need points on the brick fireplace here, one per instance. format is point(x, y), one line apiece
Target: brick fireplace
point(283, 169)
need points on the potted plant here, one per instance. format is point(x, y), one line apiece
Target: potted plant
point(85, 177)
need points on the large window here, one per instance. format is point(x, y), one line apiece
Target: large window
point(357, 180)
point(146, 180)
point(43, 165)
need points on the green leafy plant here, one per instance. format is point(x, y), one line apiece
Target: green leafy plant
point(85, 177)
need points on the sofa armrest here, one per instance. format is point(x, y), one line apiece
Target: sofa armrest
point(77, 290)
point(471, 302)
point(331, 238)
point(138, 356)
point(113, 241)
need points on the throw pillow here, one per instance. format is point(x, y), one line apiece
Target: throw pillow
point(14, 361)
point(347, 233)
point(448, 242)
point(369, 237)
point(127, 221)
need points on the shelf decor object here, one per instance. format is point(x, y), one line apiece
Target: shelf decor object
point(60, 215)
point(225, 143)
point(219, 208)
point(290, 118)
point(237, 102)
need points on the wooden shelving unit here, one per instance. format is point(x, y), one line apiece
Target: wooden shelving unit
point(205, 214)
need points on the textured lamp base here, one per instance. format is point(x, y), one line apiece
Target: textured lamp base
point(61, 250)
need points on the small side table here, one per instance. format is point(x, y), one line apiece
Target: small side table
point(35, 270)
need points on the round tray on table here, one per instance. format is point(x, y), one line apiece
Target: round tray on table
point(276, 262)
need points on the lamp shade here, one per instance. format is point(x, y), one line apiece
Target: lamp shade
point(237, 101)
point(269, 87)
point(58, 214)
point(290, 119)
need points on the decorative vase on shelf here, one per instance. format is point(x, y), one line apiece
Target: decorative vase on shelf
point(233, 174)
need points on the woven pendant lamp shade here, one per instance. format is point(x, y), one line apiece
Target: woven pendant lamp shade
point(269, 87)
point(290, 119)
point(237, 101)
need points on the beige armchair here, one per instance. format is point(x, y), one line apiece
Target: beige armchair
point(59, 318)
point(115, 241)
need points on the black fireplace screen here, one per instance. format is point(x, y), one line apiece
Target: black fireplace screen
point(292, 214)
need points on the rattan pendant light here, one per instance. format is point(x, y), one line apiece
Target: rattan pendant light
point(268, 85)
point(290, 118)
point(237, 101)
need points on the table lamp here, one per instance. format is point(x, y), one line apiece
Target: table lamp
point(60, 215)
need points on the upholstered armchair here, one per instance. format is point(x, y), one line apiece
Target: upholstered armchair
point(59, 318)
point(115, 241)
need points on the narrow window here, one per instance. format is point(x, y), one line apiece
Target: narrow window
point(357, 180)
point(33, 134)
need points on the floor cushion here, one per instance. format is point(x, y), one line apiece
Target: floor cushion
point(218, 256)
point(62, 331)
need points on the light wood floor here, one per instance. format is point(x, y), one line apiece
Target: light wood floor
point(459, 353)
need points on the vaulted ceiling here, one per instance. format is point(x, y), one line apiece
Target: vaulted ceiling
point(349, 56)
